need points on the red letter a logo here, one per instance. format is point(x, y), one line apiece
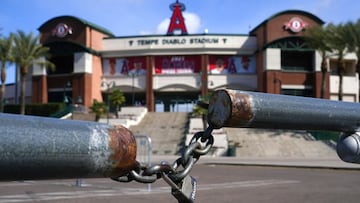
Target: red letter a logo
point(177, 20)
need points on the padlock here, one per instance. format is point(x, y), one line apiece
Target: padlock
point(185, 190)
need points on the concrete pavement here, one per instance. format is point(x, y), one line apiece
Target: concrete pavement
point(216, 183)
point(327, 162)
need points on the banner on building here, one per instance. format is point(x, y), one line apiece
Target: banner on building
point(124, 66)
point(231, 64)
point(177, 64)
point(218, 64)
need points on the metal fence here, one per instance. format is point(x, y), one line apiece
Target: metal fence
point(144, 151)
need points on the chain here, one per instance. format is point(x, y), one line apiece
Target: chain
point(199, 145)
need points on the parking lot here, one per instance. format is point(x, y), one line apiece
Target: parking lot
point(216, 183)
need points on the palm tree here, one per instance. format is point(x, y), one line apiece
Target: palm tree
point(117, 98)
point(27, 51)
point(353, 34)
point(337, 41)
point(353, 31)
point(317, 38)
point(6, 45)
point(98, 108)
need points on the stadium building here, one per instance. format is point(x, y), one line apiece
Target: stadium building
point(170, 72)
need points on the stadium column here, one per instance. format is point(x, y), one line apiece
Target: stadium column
point(204, 74)
point(85, 78)
point(39, 84)
point(150, 64)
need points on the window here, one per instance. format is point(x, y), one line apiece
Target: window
point(63, 64)
point(298, 92)
point(297, 60)
point(350, 67)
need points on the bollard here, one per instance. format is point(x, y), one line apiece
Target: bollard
point(233, 108)
point(33, 148)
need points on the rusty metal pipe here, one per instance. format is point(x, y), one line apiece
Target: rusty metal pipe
point(47, 148)
point(233, 108)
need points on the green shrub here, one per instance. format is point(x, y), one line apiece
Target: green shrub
point(35, 109)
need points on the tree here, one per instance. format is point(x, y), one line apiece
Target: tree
point(200, 109)
point(317, 38)
point(353, 43)
point(6, 45)
point(27, 51)
point(337, 42)
point(98, 108)
point(117, 98)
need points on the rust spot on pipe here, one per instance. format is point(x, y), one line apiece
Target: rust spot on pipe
point(123, 146)
point(241, 110)
point(228, 108)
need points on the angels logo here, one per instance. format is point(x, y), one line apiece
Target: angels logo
point(61, 30)
point(295, 25)
point(177, 21)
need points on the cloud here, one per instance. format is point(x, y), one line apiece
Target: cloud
point(163, 26)
point(192, 23)
point(325, 3)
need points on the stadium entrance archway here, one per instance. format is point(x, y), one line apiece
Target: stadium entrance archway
point(175, 102)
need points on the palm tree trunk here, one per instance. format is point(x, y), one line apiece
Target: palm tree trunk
point(358, 71)
point(22, 93)
point(341, 76)
point(323, 79)
point(97, 117)
point(117, 109)
point(341, 70)
point(2, 92)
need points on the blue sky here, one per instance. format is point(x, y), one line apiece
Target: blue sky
point(138, 17)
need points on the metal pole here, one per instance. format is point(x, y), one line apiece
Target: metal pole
point(48, 148)
point(233, 108)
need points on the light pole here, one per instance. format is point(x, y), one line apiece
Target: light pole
point(66, 101)
point(67, 98)
point(108, 85)
point(67, 84)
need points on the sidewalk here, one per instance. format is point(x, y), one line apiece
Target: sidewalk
point(321, 163)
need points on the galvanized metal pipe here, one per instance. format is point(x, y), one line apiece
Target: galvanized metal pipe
point(47, 148)
point(233, 108)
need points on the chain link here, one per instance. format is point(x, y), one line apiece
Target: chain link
point(199, 145)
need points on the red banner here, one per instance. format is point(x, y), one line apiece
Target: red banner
point(218, 64)
point(177, 64)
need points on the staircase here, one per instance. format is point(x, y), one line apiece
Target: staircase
point(220, 145)
point(166, 130)
point(128, 116)
point(277, 143)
